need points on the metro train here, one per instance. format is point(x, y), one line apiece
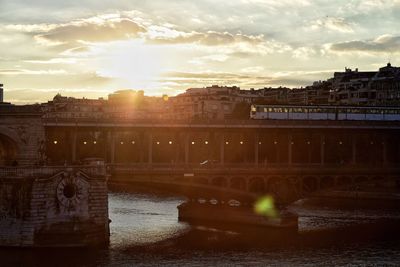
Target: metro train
point(286, 112)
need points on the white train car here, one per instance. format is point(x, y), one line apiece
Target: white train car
point(282, 112)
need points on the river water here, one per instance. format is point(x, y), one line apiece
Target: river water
point(145, 232)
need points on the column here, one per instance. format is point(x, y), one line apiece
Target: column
point(384, 150)
point(73, 145)
point(142, 148)
point(177, 145)
point(222, 149)
point(150, 149)
point(112, 147)
point(290, 147)
point(322, 149)
point(354, 149)
point(256, 148)
point(186, 138)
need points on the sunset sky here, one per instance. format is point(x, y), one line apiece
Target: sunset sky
point(91, 48)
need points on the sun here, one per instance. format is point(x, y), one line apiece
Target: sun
point(138, 65)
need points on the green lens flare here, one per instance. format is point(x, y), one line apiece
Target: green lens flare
point(265, 206)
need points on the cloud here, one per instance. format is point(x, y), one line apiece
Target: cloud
point(31, 72)
point(331, 23)
point(210, 38)
point(95, 29)
point(382, 44)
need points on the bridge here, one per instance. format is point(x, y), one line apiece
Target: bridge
point(288, 159)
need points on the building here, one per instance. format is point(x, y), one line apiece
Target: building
point(372, 88)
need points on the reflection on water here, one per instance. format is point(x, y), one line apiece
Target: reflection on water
point(145, 232)
point(139, 219)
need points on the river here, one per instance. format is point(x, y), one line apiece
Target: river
point(145, 232)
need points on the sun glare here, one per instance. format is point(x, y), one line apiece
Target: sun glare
point(136, 64)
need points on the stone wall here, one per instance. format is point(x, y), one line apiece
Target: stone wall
point(67, 209)
point(22, 128)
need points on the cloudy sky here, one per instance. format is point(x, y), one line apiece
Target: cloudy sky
point(91, 48)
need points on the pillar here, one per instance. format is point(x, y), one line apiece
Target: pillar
point(112, 147)
point(354, 149)
point(222, 149)
point(290, 147)
point(256, 148)
point(176, 145)
point(187, 151)
point(73, 145)
point(322, 149)
point(150, 149)
point(384, 150)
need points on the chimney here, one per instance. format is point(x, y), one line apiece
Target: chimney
point(1, 93)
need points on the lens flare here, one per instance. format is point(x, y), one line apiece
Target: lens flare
point(265, 206)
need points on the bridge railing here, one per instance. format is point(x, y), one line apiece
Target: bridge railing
point(22, 172)
point(243, 166)
point(211, 122)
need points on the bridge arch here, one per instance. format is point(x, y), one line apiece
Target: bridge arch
point(310, 184)
point(238, 183)
point(219, 181)
point(257, 185)
point(327, 182)
point(9, 148)
point(200, 180)
point(343, 180)
point(278, 187)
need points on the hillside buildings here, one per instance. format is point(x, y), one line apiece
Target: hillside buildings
point(351, 87)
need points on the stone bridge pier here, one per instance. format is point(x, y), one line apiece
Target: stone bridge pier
point(22, 136)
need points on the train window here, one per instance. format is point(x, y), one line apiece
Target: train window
point(270, 110)
point(286, 110)
point(259, 109)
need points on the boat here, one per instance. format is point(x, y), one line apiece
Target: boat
point(225, 214)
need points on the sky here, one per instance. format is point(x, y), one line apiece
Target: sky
point(90, 48)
